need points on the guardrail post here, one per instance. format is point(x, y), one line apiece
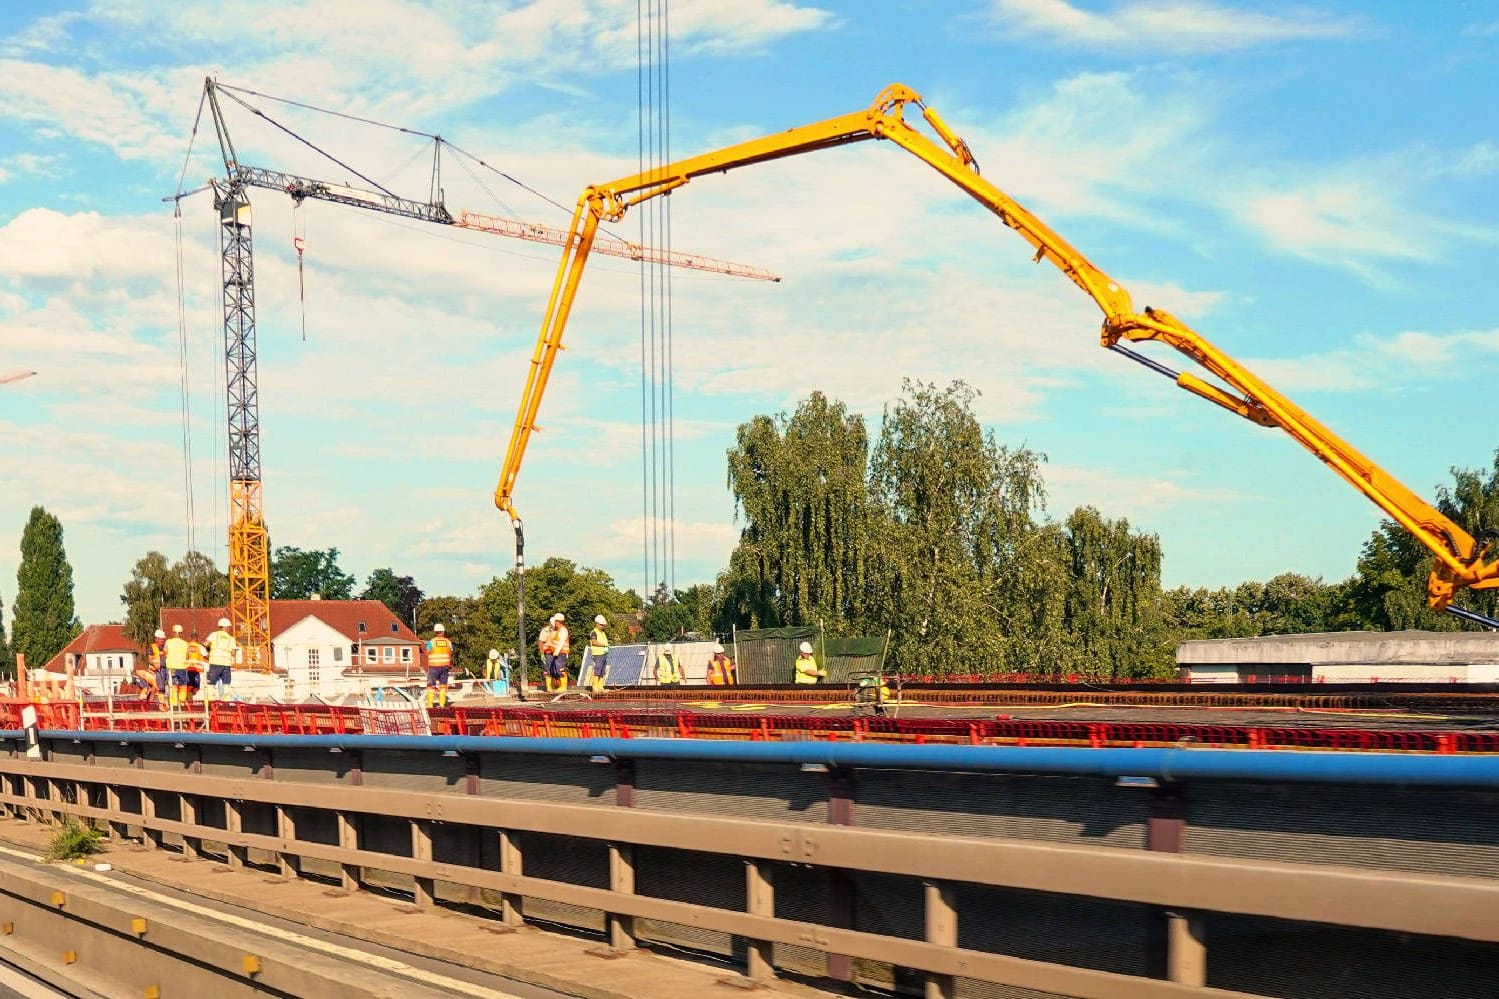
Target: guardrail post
point(234, 823)
point(350, 876)
point(941, 929)
point(621, 881)
point(759, 900)
point(112, 805)
point(840, 884)
point(287, 859)
point(192, 846)
point(150, 838)
point(421, 850)
point(1186, 953)
point(512, 907)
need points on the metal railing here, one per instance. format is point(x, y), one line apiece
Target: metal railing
point(298, 802)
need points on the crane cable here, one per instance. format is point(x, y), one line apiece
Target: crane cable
point(299, 243)
point(183, 374)
point(653, 138)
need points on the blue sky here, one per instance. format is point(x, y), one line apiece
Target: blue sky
point(1311, 186)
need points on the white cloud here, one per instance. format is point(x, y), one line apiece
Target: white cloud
point(1343, 220)
point(1124, 493)
point(1182, 26)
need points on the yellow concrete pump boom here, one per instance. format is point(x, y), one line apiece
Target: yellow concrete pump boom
point(1461, 562)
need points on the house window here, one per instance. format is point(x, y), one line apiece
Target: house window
point(313, 655)
point(405, 653)
point(390, 653)
point(371, 654)
point(338, 653)
point(395, 628)
point(362, 628)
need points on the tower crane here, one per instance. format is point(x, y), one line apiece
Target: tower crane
point(249, 552)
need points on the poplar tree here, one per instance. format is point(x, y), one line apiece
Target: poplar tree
point(962, 546)
point(44, 620)
point(800, 489)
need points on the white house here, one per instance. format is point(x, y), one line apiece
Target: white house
point(100, 659)
point(327, 647)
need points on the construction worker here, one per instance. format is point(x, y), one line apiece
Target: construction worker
point(561, 648)
point(598, 652)
point(720, 668)
point(668, 673)
point(223, 651)
point(544, 645)
point(439, 666)
point(154, 676)
point(492, 669)
point(196, 656)
point(807, 670)
point(176, 662)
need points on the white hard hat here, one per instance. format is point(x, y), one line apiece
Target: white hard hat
point(223, 622)
point(717, 647)
point(599, 619)
point(494, 653)
point(160, 633)
point(437, 627)
point(176, 629)
point(806, 648)
point(559, 616)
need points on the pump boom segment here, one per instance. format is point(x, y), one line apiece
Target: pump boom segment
point(1461, 561)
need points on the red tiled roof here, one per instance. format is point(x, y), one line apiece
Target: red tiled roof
point(94, 638)
point(343, 616)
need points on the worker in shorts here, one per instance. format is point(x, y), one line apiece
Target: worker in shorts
point(439, 666)
point(176, 663)
point(223, 649)
point(598, 653)
point(556, 662)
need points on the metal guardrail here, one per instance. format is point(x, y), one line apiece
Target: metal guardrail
point(172, 797)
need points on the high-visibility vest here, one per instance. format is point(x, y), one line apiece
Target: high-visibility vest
point(598, 642)
point(720, 670)
point(176, 653)
point(806, 669)
point(439, 652)
point(158, 656)
point(666, 668)
point(194, 657)
point(561, 645)
point(544, 641)
point(221, 648)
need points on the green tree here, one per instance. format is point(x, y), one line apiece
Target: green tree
point(1113, 603)
point(558, 584)
point(800, 487)
point(685, 612)
point(961, 537)
point(298, 575)
point(192, 581)
point(399, 593)
point(44, 614)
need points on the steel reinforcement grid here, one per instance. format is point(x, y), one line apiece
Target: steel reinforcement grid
point(956, 870)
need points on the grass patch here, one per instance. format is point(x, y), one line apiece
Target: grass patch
point(73, 840)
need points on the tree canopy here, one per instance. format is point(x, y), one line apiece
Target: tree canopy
point(44, 615)
point(192, 581)
point(300, 575)
point(399, 593)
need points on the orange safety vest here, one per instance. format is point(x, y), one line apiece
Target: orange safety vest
point(561, 644)
point(194, 657)
point(544, 641)
point(720, 670)
point(439, 652)
point(158, 656)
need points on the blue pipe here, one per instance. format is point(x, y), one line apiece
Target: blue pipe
point(1160, 764)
